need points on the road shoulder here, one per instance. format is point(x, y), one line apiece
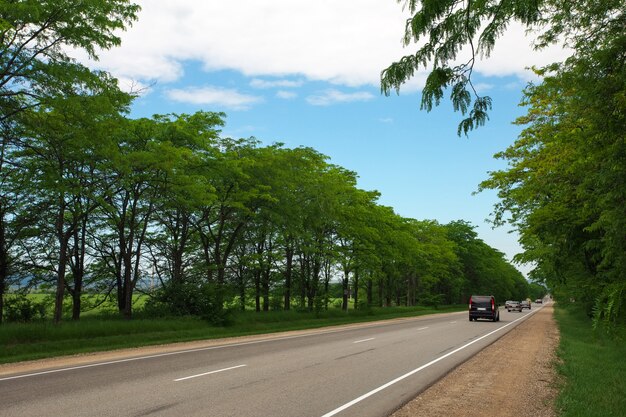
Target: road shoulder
point(516, 373)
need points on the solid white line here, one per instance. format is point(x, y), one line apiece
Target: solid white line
point(209, 373)
point(364, 340)
point(416, 370)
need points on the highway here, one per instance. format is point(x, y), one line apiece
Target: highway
point(365, 370)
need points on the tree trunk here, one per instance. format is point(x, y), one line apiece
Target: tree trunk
point(345, 287)
point(315, 276)
point(288, 273)
point(127, 290)
point(4, 263)
point(356, 288)
point(62, 261)
point(266, 288)
point(257, 289)
point(78, 269)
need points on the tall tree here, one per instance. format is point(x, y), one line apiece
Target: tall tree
point(64, 143)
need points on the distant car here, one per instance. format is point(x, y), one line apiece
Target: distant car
point(538, 301)
point(514, 306)
point(526, 304)
point(507, 303)
point(483, 307)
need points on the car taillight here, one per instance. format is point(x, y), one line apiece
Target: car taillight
point(493, 305)
point(470, 303)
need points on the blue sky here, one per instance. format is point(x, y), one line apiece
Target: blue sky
point(306, 73)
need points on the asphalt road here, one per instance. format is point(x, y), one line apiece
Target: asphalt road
point(369, 370)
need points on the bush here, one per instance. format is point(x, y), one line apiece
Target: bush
point(188, 299)
point(20, 309)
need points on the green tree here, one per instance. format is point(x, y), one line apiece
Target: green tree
point(36, 36)
point(63, 144)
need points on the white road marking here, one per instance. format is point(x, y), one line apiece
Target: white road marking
point(453, 322)
point(422, 328)
point(364, 340)
point(209, 373)
point(416, 370)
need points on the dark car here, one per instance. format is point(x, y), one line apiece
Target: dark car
point(539, 301)
point(483, 307)
point(526, 304)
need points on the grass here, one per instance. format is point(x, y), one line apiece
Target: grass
point(27, 341)
point(592, 366)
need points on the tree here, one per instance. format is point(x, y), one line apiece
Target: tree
point(36, 36)
point(139, 171)
point(63, 144)
point(453, 33)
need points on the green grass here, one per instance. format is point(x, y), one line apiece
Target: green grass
point(592, 366)
point(26, 341)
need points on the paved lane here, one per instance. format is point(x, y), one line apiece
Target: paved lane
point(363, 371)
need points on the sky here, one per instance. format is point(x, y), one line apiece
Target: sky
point(307, 73)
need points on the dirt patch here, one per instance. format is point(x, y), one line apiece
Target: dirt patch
point(513, 376)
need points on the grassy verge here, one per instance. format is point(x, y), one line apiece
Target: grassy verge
point(593, 368)
point(98, 333)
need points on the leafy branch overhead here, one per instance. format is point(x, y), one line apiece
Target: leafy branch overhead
point(452, 34)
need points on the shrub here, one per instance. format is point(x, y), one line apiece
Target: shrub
point(20, 309)
point(188, 299)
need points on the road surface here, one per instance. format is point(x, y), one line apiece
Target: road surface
point(366, 370)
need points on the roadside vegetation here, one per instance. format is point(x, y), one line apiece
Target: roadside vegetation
point(591, 365)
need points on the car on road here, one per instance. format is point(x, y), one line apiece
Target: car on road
point(514, 306)
point(507, 303)
point(526, 304)
point(483, 307)
point(539, 301)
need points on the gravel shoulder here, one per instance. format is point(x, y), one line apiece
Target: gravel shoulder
point(513, 376)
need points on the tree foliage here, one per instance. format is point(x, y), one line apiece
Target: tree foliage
point(452, 34)
point(564, 188)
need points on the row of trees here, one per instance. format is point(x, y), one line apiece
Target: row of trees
point(99, 202)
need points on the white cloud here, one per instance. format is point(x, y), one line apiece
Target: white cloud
point(328, 97)
point(514, 55)
point(482, 87)
point(231, 99)
point(344, 42)
point(386, 120)
point(258, 83)
point(286, 94)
